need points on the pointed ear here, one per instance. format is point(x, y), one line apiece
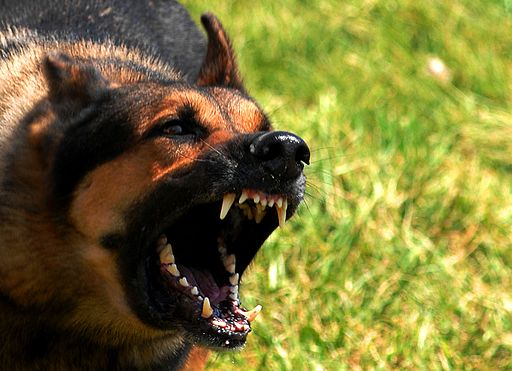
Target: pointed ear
point(72, 85)
point(219, 66)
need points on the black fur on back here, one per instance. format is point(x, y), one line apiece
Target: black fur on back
point(160, 28)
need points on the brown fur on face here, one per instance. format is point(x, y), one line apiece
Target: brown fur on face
point(104, 149)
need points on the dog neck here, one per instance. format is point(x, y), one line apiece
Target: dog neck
point(38, 346)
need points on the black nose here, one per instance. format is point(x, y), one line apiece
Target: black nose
point(283, 154)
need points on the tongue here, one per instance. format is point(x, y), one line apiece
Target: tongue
point(205, 282)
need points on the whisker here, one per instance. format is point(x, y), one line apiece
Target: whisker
point(214, 149)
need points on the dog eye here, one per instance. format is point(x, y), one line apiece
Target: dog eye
point(175, 128)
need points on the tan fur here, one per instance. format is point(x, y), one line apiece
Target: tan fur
point(96, 297)
point(57, 263)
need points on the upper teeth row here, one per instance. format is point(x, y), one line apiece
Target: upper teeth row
point(261, 201)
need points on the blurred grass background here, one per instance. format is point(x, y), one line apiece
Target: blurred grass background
point(401, 255)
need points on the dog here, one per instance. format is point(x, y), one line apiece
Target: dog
point(138, 181)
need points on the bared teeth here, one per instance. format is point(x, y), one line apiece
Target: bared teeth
point(281, 211)
point(173, 269)
point(253, 313)
point(227, 202)
point(229, 259)
point(194, 291)
point(234, 278)
point(231, 268)
point(207, 308)
point(183, 282)
point(244, 196)
point(230, 263)
point(166, 255)
point(261, 201)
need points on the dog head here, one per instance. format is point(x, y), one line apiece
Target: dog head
point(160, 193)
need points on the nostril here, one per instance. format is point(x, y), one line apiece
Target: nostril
point(281, 153)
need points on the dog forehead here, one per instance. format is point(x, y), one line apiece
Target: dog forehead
point(214, 108)
point(243, 113)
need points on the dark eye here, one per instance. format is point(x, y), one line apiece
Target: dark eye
point(173, 129)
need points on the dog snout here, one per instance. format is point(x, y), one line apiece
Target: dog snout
point(281, 153)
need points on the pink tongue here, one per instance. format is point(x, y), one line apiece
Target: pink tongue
point(205, 282)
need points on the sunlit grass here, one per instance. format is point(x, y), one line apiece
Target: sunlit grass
point(401, 256)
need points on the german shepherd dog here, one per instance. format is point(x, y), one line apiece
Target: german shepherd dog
point(138, 180)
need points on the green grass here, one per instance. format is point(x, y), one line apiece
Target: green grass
point(401, 256)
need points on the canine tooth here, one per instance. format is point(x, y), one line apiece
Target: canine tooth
point(234, 278)
point(207, 308)
point(253, 313)
point(281, 213)
point(173, 269)
point(166, 256)
point(244, 196)
point(231, 268)
point(194, 291)
point(279, 202)
point(256, 198)
point(270, 202)
point(229, 259)
point(183, 282)
point(227, 202)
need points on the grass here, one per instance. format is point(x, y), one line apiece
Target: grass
point(401, 256)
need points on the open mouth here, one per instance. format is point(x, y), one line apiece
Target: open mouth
point(199, 261)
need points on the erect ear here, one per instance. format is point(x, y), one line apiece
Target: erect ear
point(72, 85)
point(219, 66)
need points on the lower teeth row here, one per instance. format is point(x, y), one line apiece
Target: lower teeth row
point(168, 261)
